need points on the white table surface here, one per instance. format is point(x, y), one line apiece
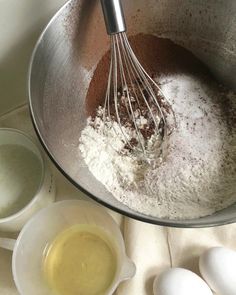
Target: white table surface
point(152, 248)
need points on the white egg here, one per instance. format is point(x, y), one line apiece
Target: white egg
point(218, 268)
point(180, 281)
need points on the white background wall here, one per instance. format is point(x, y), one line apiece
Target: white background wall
point(20, 24)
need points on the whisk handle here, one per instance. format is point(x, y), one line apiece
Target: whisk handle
point(114, 16)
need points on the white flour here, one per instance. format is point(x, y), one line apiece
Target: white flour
point(198, 176)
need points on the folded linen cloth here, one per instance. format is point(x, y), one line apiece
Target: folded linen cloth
point(154, 248)
point(147, 247)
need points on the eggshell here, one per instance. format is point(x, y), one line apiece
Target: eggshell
point(218, 268)
point(179, 281)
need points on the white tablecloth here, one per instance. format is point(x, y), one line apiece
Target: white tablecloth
point(152, 248)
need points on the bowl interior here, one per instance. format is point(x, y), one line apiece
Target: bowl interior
point(66, 56)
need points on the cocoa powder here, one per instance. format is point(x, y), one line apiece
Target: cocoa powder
point(157, 55)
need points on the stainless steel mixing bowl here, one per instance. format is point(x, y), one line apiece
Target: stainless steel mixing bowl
point(68, 51)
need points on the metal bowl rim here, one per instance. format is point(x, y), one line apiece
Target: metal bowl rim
point(145, 218)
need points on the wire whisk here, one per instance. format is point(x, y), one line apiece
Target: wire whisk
point(133, 99)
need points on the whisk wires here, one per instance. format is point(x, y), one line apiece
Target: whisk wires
point(131, 92)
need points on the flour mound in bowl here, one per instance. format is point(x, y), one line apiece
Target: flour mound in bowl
point(194, 174)
point(197, 176)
